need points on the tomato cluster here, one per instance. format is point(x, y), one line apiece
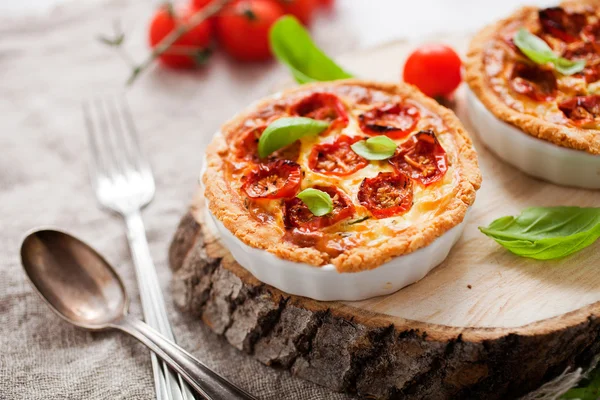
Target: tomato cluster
point(419, 159)
point(241, 28)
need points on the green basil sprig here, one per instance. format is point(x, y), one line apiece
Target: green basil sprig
point(375, 148)
point(285, 131)
point(318, 202)
point(546, 233)
point(539, 52)
point(292, 45)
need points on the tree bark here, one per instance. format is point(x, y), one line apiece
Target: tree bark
point(372, 355)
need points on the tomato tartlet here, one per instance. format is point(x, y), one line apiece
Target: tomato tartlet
point(538, 99)
point(381, 209)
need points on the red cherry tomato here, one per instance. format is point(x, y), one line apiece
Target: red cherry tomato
point(336, 158)
point(322, 106)
point(186, 52)
point(533, 82)
point(393, 120)
point(246, 144)
point(276, 180)
point(583, 111)
point(387, 194)
point(243, 28)
point(327, 3)
point(198, 4)
point(297, 215)
point(434, 69)
point(422, 158)
point(301, 9)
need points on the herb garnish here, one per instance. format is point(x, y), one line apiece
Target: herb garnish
point(285, 131)
point(292, 45)
point(546, 233)
point(375, 148)
point(539, 52)
point(318, 202)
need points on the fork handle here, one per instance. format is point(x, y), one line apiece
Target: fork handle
point(153, 304)
point(203, 379)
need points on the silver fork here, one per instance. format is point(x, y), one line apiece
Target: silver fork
point(123, 182)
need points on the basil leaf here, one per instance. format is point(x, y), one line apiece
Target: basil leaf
point(285, 131)
point(546, 233)
point(539, 52)
point(587, 389)
point(292, 45)
point(569, 67)
point(318, 202)
point(375, 148)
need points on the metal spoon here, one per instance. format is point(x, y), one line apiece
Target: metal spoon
point(82, 288)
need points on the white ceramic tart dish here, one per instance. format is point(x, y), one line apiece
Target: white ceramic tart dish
point(392, 220)
point(535, 117)
point(538, 158)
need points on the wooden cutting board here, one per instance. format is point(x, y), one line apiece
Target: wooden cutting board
point(484, 324)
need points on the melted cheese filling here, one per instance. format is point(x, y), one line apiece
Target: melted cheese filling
point(428, 201)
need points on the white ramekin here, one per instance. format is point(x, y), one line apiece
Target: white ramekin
point(531, 155)
point(325, 283)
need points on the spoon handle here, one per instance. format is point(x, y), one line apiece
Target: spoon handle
point(198, 375)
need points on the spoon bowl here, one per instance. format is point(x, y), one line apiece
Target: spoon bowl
point(81, 287)
point(75, 281)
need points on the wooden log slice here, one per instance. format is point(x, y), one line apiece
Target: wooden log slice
point(349, 348)
point(483, 325)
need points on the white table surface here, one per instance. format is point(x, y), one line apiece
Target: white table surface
point(376, 21)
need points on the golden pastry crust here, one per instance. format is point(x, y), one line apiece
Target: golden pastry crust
point(227, 204)
point(551, 128)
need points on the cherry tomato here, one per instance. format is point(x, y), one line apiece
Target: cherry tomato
point(297, 215)
point(434, 69)
point(387, 194)
point(278, 179)
point(322, 106)
point(188, 51)
point(327, 3)
point(533, 82)
point(422, 158)
point(393, 120)
point(584, 111)
point(246, 144)
point(198, 4)
point(243, 28)
point(561, 24)
point(336, 158)
point(301, 9)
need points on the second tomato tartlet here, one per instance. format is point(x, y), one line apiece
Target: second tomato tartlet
point(535, 91)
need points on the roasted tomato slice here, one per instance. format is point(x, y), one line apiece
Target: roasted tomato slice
point(387, 194)
point(278, 179)
point(422, 158)
point(246, 144)
point(592, 32)
point(533, 82)
point(582, 110)
point(590, 73)
point(561, 24)
point(393, 120)
point(582, 51)
point(297, 215)
point(336, 158)
point(322, 106)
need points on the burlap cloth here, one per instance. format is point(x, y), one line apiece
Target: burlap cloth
point(47, 66)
